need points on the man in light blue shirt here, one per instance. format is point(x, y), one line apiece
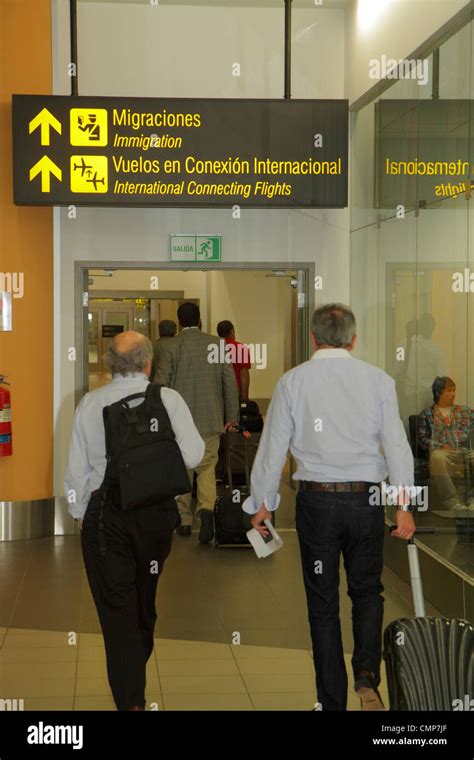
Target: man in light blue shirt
point(339, 418)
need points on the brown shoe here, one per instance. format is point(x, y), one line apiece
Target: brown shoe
point(184, 530)
point(136, 708)
point(366, 689)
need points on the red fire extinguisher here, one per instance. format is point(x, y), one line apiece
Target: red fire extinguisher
point(5, 420)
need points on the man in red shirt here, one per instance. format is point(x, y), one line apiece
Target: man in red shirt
point(240, 357)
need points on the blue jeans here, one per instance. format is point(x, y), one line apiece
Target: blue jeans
point(329, 523)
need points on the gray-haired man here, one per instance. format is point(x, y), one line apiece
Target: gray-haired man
point(339, 418)
point(122, 581)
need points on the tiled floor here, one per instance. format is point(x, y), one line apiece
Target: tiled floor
point(48, 673)
point(232, 631)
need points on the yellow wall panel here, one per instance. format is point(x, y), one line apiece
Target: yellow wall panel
point(26, 246)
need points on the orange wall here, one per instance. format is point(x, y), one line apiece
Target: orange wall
point(26, 245)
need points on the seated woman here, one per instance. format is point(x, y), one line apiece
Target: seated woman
point(443, 430)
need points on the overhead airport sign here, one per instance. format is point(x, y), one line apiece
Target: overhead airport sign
point(187, 152)
point(424, 153)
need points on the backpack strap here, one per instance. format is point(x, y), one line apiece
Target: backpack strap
point(153, 395)
point(105, 417)
point(104, 486)
point(131, 412)
point(110, 415)
point(125, 401)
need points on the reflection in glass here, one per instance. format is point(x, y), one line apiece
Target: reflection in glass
point(409, 245)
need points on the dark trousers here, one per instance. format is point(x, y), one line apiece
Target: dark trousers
point(123, 583)
point(329, 523)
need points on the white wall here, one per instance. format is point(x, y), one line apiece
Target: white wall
point(394, 28)
point(188, 51)
point(259, 308)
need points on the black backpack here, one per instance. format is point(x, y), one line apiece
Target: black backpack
point(144, 462)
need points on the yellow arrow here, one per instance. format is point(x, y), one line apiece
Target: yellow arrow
point(46, 167)
point(45, 120)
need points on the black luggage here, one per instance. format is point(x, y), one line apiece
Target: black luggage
point(252, 421)
point(231, 523)
point(250, 417)
point(429, 661)
point(237, 454)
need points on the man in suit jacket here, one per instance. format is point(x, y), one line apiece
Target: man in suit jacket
point(167, 329)
point(188, 365)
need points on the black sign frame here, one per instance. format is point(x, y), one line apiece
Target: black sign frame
point(309, 117)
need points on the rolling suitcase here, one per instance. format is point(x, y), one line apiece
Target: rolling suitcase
point(429, 661)
point(238, 454)
point(252, 421)
point(230, 521)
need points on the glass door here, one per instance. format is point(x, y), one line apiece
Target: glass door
point(106, 319)
point(94, 330)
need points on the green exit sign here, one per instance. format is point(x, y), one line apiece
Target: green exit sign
point(195, 247)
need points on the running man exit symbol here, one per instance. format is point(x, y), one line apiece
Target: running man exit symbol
point(88, 126)
point(89, 174)
point(208, 248)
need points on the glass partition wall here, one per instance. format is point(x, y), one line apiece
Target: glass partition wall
point(411, 261)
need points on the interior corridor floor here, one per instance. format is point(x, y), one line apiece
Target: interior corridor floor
point(208, 599)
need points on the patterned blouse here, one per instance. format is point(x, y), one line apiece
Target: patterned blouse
point(437, 430)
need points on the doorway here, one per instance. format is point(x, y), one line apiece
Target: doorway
point(269, 304)
point(118, 313)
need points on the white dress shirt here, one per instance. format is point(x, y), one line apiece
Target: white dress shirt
point(86, 466)
point(339, 418)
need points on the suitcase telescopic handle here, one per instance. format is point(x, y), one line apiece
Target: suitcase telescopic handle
point(240, 429)
point(415, 573)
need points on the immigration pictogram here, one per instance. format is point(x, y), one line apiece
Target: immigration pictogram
point(88, 126)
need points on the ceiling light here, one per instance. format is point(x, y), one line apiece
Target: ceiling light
point(369, 12)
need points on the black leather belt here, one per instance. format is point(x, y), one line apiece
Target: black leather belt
point(357, 485)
